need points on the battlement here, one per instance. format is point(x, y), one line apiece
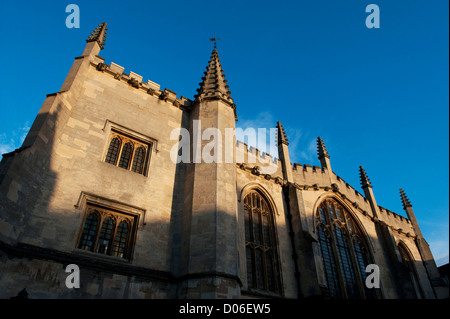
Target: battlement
point(393, 215)
point(136, 81)
point(253, 157)
point(308, 177)
point(395, 221)
point(310, 174)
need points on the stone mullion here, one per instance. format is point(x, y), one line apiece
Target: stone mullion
point(128, 241)
point(133, 151)
point(113, 235)
point(118, 221)
point(123, 142)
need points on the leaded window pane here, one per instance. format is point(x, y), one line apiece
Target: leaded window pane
point(87, 240)
point(113, 151)
point(247, 225)
point(138, 161)
point(262, 267)
point(270, 272)
point(121, 239)
point(256, 226)
point(322, 215)
point(250, 267)
point(413, 282)
point(344, 260)
point(266, 229)
point(347, 266)
point(361, 259)
point(105, 237)
point(259, 268)
point(125, 157)
point(329, 264)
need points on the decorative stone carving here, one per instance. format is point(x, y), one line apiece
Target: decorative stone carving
point(134, 83)
point(256, 170)
point(102, 67)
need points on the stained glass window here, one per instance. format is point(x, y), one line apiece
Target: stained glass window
point(262, 264)
point(343, 251)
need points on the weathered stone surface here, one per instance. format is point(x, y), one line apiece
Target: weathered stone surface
point(190, 235)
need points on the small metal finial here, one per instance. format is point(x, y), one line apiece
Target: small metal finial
point(215, 41)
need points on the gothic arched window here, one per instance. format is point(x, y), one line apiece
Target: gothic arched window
point(411, 284)
point(260, 244)
point(344, 252)
point(107, 232)
point(128, 153)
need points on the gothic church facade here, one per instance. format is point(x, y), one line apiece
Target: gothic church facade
point(94, 185)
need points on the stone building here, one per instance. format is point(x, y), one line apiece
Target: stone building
point(95, 184)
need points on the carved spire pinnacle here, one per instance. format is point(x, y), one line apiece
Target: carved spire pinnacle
point(321, 149)
point(405, 200)
point(99, 35)
point(282, 138)
point(213, 85)
point(365, 182)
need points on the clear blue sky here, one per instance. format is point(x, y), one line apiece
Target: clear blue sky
point(378, 97)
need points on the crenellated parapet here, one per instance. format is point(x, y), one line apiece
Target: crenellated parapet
point(258, 163)
point(151, 88)
point(315, 178)
point(309, 174)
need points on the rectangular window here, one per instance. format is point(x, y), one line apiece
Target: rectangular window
point(108, 232)
point(128, 149)
point(128, 153)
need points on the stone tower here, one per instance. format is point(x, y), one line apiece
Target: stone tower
point(209, 251)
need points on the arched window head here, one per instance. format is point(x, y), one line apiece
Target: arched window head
point(344, 253)
point(260, 244)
